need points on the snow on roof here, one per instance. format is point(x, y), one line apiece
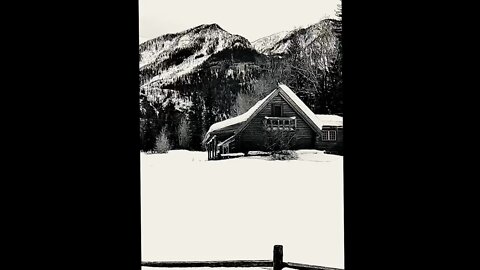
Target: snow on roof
point(319, 120)
point(330, 120)
point(301, 105)
point(237, 119)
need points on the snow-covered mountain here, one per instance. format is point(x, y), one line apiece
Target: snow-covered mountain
point(265, 44)
point(208, 48)
point(311, 36)
point(170, 56)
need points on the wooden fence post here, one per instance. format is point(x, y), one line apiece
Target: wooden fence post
point(277, 257)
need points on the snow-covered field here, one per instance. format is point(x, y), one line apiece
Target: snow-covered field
point(238, 209)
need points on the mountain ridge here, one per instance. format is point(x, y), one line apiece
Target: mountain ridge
point(276, 44)
point(169, 56)
point(172, 55)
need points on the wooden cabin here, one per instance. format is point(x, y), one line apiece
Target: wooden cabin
point(278, 121)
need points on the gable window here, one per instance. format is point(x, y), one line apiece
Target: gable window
point(329, 135)
point(277, 110)
point(280, 123)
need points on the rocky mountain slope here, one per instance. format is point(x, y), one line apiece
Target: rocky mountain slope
point(172, 55)
point(311, 36)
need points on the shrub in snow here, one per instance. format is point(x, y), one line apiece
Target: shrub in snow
point(278, 140)
point(284, 155)
point(162, 144)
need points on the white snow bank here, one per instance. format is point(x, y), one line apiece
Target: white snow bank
point(173, 156)
point(303, 155)
point(316, 156)
point(238, 209)
point(233, 155)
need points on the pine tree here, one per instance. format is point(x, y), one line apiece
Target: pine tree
point(149, 125)
point(183, 133)
point(196, 122)
point(170, 118)
point(162, 143)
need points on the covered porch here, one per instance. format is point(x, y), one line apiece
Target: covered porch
point(217, 149)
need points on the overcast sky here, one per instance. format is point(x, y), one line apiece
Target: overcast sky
point(251, 19)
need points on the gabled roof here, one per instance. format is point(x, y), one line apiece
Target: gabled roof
point(237, 119)
point(301, 107)
point(315, 121)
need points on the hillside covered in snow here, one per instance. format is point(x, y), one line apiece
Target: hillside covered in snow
point(172, 55)
point(309, 37)
point(265, 44)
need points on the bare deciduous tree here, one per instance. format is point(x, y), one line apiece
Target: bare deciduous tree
point(245, 100)
point(280, 144)
point(278, 140)
point(311, 65)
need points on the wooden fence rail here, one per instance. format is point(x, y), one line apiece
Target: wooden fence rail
point(277, 263)
point(301, 266)
point(240, 263)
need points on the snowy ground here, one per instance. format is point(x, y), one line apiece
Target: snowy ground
point(238, 209)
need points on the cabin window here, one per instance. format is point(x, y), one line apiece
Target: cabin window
point(329, 135)
point(280, 123)
point(226, 149)
point(277, 110)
